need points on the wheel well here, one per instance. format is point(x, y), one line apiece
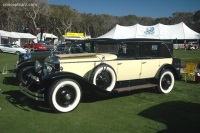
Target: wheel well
point(169, 67)
point(18, 52)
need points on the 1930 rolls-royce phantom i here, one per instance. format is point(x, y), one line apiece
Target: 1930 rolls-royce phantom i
point(114, 66)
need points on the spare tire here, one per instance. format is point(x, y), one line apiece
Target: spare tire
point(104, 77)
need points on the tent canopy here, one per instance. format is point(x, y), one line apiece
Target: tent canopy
point(47, 35)
point(158, 31)
point(16, 35)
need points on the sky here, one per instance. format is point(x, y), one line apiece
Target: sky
point(140, 8)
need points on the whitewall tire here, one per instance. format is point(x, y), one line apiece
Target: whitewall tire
point(166, 82)
point(104, 77)
point(64, 95)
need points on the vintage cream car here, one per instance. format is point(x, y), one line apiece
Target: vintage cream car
point(113, 66)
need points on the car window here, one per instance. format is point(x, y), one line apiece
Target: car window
point(88, 47)
point(129, 50)
point(149, 50)
point(7, 45)
point(16, 46)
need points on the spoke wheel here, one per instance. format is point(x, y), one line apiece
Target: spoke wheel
point(103, 80)
point(104, 77)
point(166, 82)
point(64, 95)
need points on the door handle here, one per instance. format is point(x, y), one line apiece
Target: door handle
point(119, 63)
point(144, 62)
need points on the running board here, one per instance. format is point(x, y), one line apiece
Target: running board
point(129, 88)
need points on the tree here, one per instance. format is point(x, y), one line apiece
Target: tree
point(178, 17)
point(64, 18)
point(146, 21)
point(196, 19)
point(128, 20)
point(162, 20)
point(35, 10)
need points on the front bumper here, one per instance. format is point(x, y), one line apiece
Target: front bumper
point(33, 89)
point(34, 95)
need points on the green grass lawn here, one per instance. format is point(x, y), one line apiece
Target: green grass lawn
point(143, 111)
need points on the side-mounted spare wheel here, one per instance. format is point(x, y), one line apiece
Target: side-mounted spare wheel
point(64, 95)
point(166, 81)
point(104, 77)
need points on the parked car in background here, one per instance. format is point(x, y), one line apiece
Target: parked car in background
point(8, 48)
point(192, 46)
point(114, 66)
point(35, 46)
point(61, 47)
point(70, 48)
point(48, 45)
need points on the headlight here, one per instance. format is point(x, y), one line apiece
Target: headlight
point(26, 58)
point(27, 55)
point(38, 66)
point(49, 68)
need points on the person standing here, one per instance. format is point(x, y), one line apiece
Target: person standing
point(185, 45)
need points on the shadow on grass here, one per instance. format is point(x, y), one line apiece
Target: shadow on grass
point(93, 97)
point(179, 117)
point(21, 101)
point(10, 81)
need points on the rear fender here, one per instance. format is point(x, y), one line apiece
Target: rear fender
point(169, 67)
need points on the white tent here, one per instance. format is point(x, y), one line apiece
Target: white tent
point(16, 35)
point(4, 33)
point(158, 31)
point(46, 35)
point(26, 35)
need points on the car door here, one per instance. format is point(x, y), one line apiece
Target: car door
point(150, 61)
point(7, 48)
point(129, 66)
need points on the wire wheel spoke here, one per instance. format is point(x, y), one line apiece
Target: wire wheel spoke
point(103, 80)
point(166, 82)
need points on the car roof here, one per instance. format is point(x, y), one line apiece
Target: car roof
point(123, 40)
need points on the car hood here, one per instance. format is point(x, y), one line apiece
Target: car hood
point(85, 57)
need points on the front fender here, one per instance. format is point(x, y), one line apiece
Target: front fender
point(25, 64)
point(49, 79)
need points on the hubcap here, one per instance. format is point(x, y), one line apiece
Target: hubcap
point(25, 77)
point(166, 82)
point(65, 96)
point(103, 80)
